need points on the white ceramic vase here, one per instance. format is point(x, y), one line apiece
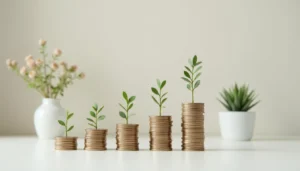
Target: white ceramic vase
point(45, 119)
point(237, 126)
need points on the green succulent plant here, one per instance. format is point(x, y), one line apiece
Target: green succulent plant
point(161, 96)
point(238, 98)
point(95, 113)
point(65, 124)
point(129, 104)
point(191, 75)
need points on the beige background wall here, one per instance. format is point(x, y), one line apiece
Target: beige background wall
point(126, 45)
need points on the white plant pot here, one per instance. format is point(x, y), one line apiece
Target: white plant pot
point(237, 126)
point(45, 119)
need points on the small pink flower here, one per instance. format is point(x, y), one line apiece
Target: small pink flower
point(42, 42)
point(54, 66)
point(23, 70)
point(64, 64)
point(32, 74)
point(8, 62)
point(81, 75)
point(31, 63)
point(73, 68)
point(57, 52)
point(38, 62)
point(29, 57)
point(13, 63)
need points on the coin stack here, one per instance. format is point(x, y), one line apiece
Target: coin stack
point(95, 139)
point(161, 133)
point(65, 143)
point(193, 127)
point(127, 137)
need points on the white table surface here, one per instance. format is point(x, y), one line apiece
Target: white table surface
point(270, 154)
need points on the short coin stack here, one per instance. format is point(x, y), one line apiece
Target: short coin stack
point(95, 139)
point(65, 143)
point(160, 133)
point(127, 137)
point(193, 127)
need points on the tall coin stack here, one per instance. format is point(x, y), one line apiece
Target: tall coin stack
point(65, 143)
point(193, 127)
point(127, 137)
point(160, 133)
point(95, 139)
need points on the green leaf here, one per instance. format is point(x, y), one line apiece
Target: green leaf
point(198, 69)
point(198, 63)
point(164, 94)
point(62, 123)
point(130, 106)
point(92, 114)
point(100, 109)
point(122, 106)
point(155, 100)
point(91, 120)
point(70, 116)
point(191, 62)
point(122, 114)
point(154, 90)
point(197, 84)
point(163, 84)
point(70, 128)
point(188, 86)
point(95, 107)
point(101, 117)
point(158, 82)
point(162, 102)
point(125, 96)
point(187, 74)
point(195, 60)
point(92, 125)
point(131, 99)
point(197, 76)
point(226, 106)
point(185, 79)
point(187, 68)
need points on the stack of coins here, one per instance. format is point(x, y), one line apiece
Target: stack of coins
point(95, 139)
point(160, 133)
point(66, 143)
point(193, 127)
point(127, 137)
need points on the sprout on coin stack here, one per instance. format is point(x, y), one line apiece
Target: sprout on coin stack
point(66, 143)
point(160, 126)
point(127, 134)
point(193, 113)
point(95, 139)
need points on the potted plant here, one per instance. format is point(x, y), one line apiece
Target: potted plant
point(66, 142)
point(95, 138)
point(160, 126)
point(192, 113)
point(127, 134)
point(49, 76)
point(237, 123)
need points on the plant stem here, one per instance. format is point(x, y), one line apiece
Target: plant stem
point(45, 73)
point(96, 120)
point(66, 126)
point(192, 84)
point(127, 113)
point(160, 102)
